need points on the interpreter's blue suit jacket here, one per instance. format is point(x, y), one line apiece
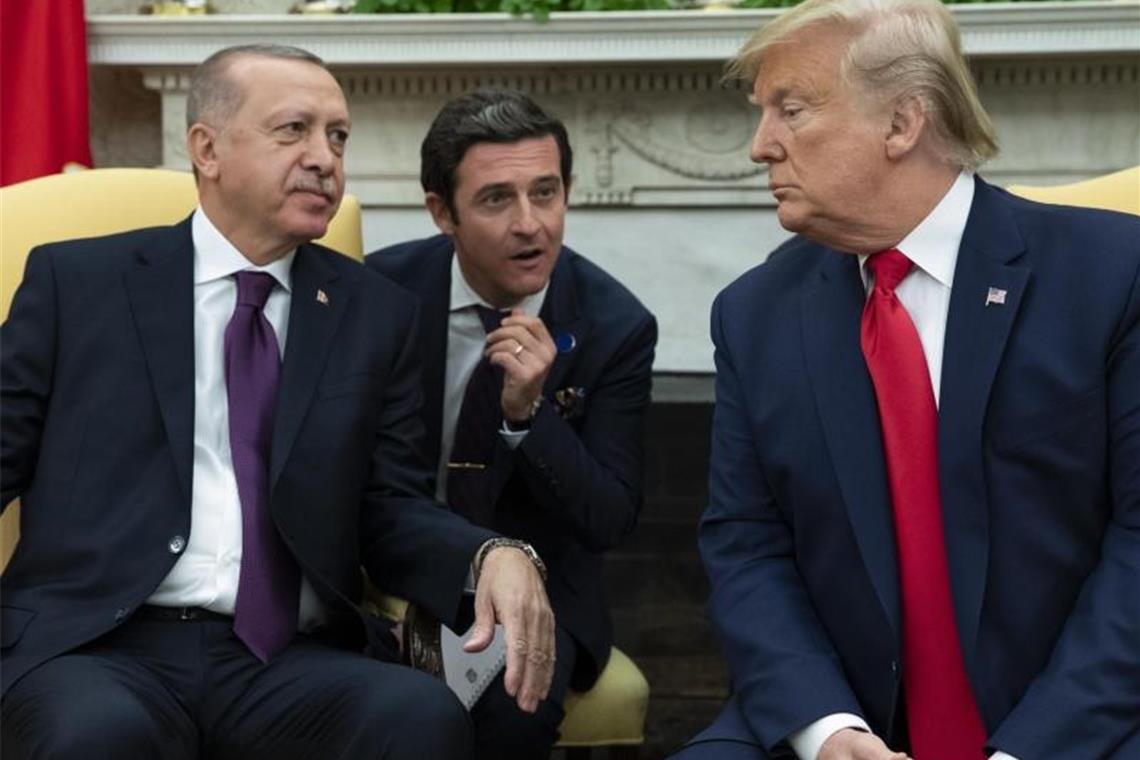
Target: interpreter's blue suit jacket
point(573, 487)
point(97, 432)
point(1039, 448)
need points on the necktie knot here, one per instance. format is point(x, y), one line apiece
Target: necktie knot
point(889, 268)
point(253, 288)
point(492, 319)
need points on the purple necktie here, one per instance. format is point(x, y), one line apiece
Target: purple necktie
point(265, 613)
point(480, 418)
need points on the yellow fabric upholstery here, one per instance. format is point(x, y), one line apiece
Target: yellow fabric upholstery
point(101, 202)
point(1119, 191)
point(612, 713)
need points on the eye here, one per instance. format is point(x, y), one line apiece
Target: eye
point(292, 129)
point(791, 112)
point(496, 198)
point(338, 138)
point(545, 192)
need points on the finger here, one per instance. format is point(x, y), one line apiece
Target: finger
point(542, 652)
point(516, 334)
point(512, 365)
point(514, 633)
point(483, 631)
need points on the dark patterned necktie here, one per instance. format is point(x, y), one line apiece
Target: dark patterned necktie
point(480, 418)
point(942, 715)
point(268, 594)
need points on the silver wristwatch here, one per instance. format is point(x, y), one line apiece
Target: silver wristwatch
point(514, 543)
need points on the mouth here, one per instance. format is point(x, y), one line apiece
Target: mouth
point(527, 255)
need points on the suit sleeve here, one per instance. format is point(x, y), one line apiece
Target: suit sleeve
point(411, 545)
point(590, 479)
point(1087, 699)
point(27, 361)
point(784, 669)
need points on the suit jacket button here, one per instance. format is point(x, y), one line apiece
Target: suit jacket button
point(895, 669)
point(121, 614)
point(177, 544)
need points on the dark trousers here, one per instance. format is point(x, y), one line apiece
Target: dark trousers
point(188, 690)
point(504, 732)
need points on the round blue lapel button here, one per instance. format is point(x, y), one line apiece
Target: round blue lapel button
point(565, 342)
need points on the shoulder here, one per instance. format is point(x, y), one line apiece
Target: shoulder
point(780, 279)
point(599, 293)
point(106, 252)
point(403, 261)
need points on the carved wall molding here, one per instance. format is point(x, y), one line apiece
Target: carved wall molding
point(1046, 29)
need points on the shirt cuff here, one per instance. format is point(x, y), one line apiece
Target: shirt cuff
point(808, 741)
point(1001, 756)
point(512, 437)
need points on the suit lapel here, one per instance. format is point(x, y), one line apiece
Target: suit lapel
point(976, 336)
point(313, 323)
point(562, 314)
point(434, 289)
point(831, 312)
point(161, 294)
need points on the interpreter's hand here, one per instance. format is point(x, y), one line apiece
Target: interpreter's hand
point(852, 744)
point(522, 346)
point(510, 591)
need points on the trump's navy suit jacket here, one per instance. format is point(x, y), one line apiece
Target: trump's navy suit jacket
point(97, 441)
point(573, 488)
point(1039, 450)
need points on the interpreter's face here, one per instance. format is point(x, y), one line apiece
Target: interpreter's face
point(280, 157)
point(824, 143)
point(510, 210)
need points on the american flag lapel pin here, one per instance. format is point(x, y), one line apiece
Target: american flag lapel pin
point(323, 299)
point(995, 297)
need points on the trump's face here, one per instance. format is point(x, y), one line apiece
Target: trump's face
point(824, 143)
point(277, 163)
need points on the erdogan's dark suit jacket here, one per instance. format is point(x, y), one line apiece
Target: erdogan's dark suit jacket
point(1039, 447)
point(97, 440)
point(573, 488)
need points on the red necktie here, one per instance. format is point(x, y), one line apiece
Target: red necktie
point(942, 716)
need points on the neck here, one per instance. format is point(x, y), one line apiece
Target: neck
point(259, 252)
point(906, 199)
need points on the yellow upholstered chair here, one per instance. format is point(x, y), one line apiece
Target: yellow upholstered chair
point(101, 202)
point(1119, 191)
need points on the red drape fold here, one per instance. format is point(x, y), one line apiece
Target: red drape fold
point(43, 88)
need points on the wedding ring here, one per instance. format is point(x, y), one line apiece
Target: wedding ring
point(518, 349)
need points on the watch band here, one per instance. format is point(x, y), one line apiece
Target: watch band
point(513, 543)
point(524, 424)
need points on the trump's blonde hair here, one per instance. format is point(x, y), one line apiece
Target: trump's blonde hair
point(899, 49)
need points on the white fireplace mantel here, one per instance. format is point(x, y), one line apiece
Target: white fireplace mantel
point(1015, 29)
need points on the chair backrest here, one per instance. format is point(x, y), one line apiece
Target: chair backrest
point(102, 202)
point(1119, 191)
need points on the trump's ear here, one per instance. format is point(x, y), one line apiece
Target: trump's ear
point(201, 147)
point(440, 213)
point(908, 121)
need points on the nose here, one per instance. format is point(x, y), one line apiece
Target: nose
point(525, 222)
point(765, 147)
point(319, 155)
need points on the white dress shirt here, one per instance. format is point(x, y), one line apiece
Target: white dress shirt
point(206, 575)
point(466, 340)
point(925, 293)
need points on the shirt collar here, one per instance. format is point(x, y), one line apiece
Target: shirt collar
point(933, 244)
point(216, 258)
point(464, 296)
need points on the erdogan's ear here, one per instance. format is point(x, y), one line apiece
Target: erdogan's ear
point(202, 148)
point(440, 213)
point(908, 122)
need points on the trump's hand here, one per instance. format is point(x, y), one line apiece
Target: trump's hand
point(522, 346)
point(510, 591)
point(852, 744)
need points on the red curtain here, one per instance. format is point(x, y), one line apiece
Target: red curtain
point(43, 88)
